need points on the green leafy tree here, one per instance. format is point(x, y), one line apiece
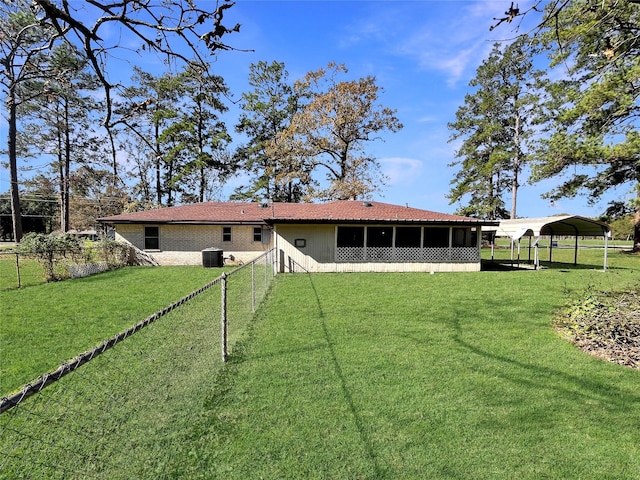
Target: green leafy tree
point(95, 194)
point(58, 119)
point(495, 125)
point(204, 136)
point(592, 144)
point(179, 30)
point(267, 110)
point(24, 40)
point(150, 113)
point(175, 119)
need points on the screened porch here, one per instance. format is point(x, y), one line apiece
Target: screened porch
point(407, 244)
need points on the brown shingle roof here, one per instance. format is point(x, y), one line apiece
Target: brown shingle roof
point(340, 211)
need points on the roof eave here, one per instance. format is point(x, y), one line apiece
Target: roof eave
point(307, 221)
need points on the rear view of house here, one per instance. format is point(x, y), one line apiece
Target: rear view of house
point(339, 236)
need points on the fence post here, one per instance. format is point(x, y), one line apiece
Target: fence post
point(253, 287)
point(18, 269)
point(267, 265)
point(223, 286)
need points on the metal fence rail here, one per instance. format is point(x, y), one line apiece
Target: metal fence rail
point(101, 414)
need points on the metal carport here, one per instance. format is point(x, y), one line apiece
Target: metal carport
point(558, 225)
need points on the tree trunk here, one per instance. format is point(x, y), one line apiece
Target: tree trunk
point(67, 162)
point(516, 168)
point(203, 184)
point(16, 215)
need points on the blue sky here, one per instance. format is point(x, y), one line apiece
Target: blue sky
point(423, 54)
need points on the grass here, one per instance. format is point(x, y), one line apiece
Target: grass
point(421, 376)
point(378, 376)
point(28, 272)
point(45, 325)
point(590, 254)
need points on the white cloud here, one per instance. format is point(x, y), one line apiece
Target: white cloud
point(401, 170)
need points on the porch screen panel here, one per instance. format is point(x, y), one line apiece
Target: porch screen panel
point(350, 236)
point(380, 237)
point(462, 237)
point(379, 244)
point(350, 244)
point(408, 244)
point(408, 237)
point(436, 237)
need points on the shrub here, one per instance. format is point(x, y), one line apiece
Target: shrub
point(56, 252)
point(49, 250)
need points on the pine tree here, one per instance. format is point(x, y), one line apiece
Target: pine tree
point(496, 123)
point(592, 141)
point(59, 116)
point(268, 110)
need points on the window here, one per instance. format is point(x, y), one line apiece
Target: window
point(151, 238)
point(257, 234)
point(407, 237)
point(350, 236)
point(226, 234)
point(379, 236)
point(436, 237)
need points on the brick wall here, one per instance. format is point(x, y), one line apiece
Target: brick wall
point(183, 244)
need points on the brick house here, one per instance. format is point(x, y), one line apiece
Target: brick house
point(339, 236)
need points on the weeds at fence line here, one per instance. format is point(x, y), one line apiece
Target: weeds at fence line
point(125, 411)
point(27, 265)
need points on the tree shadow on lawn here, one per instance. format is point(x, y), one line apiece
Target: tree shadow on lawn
point(536, 376)
point(359, 423)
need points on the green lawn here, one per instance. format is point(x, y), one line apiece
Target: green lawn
point(26, 272)
point(421, 376)
point(377, 376)
point(42, 326)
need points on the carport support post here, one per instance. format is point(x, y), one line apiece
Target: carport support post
point(223, 316)
point(606, 248)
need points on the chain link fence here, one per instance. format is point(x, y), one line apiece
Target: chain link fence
point(19, 270)
point(22, 269)
point(126, 409)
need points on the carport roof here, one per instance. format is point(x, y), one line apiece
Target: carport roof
point(571, 225)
